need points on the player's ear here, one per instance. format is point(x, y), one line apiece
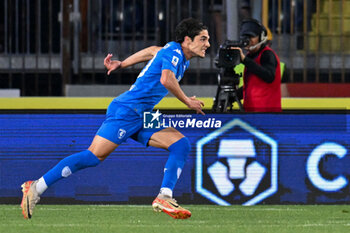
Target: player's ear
point(187, 39)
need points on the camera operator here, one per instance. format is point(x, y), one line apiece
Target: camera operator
point(262, 73)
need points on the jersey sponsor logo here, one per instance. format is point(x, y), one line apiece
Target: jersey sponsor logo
point(166, 46)
point(175, 60)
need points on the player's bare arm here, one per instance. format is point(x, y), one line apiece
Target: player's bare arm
point(169, 82)
point(141, 56)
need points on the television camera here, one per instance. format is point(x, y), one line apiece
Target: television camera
point(228, 79)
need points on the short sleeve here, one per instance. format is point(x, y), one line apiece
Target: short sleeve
point(171, 60)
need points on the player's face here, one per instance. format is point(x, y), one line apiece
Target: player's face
point(199, 44)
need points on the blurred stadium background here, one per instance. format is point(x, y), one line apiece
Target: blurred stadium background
point(56, 48)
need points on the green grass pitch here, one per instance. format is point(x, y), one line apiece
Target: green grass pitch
point(205, 218)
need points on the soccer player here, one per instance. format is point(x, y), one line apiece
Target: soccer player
point(124, 117)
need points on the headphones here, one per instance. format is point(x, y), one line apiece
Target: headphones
point(263, 35)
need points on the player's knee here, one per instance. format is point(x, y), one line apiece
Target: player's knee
point(101, 155)
point(88, 159)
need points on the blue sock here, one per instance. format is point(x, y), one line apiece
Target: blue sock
point(179, 152)
point(69, 165)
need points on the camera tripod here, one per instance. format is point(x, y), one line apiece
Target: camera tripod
point(226, 93)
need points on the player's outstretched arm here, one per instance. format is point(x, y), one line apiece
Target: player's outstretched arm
point(169, 82)
point(141, 56)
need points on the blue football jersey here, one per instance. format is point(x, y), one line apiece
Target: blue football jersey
point(147, 91)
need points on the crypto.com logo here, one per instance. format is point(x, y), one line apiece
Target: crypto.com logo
point(237, 173)
point(313, 167)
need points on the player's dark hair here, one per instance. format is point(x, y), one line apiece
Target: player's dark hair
point(188, 27)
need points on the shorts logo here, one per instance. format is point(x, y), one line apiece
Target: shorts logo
point(175, 60)
point(121, 133)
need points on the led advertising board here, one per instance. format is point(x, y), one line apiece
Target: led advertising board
point(243, 159)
